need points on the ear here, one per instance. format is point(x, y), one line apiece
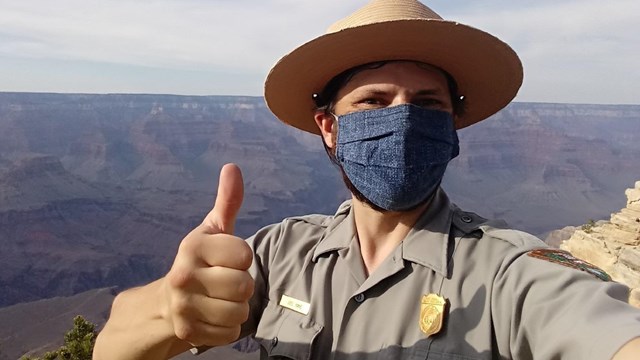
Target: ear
point(326, 123)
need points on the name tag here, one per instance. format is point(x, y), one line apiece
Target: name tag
point(295, 305)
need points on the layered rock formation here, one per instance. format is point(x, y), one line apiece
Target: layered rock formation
point(541, 167)
point(614, 246)
point(98, 190)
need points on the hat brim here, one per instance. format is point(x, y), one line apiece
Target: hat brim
point(487, 71)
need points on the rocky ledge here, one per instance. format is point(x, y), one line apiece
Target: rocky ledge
point(614, 246)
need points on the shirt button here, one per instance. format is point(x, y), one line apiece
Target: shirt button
point(359, 298)
point(466, 218)
point(274, 342)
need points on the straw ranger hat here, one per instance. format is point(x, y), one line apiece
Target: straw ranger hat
point(488, 72)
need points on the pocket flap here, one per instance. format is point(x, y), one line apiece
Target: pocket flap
point(283, 332)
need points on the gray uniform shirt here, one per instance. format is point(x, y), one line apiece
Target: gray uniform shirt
point(502, 302)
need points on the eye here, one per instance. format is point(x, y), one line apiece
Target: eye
point(370, 103)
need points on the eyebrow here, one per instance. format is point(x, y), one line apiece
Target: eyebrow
point(436, 91)
point(381, 91)
point(373, 91)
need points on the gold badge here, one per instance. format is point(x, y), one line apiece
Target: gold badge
point(432, 313)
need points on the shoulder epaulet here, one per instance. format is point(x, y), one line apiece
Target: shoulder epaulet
point(514, 237)
point(470, 223)
point(319, 219)
point(467, 222)
point(313, 219)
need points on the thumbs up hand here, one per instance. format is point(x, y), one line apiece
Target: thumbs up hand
point(208, 287)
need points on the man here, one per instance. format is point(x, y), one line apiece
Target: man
point(398, 272)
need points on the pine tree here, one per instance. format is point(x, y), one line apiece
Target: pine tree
point(78, 343)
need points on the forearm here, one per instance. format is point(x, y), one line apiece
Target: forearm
point(630, 351)
point(137, 329)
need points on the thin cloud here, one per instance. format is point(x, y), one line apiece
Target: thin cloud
point(573, 51)
point(165, 33)
point(577, 51)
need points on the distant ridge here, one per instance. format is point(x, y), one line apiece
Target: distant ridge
point(37, 327)
point(40, 326)
point(98, 190)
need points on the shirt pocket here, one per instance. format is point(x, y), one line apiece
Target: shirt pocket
point(286, 334)
point(443, 356)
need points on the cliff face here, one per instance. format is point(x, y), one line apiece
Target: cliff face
point(614, 246)
point(533, 163)
point(97, 190)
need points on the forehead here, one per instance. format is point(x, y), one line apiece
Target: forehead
point(407, 74)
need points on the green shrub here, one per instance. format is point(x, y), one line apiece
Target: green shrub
point(588, 227)
point(78, 343)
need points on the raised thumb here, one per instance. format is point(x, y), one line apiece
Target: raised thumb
point(228, 201)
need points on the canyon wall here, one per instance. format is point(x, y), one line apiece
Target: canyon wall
point(614, 246)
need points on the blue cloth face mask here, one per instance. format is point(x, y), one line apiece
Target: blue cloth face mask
point(396, 156)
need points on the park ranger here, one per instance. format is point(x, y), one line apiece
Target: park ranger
point(398, 272)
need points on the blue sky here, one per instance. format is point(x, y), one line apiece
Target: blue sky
point(574, 51)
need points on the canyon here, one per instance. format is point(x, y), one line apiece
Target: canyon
point(96, 191)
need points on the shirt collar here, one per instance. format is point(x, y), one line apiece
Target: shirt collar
point(339, 232)
point(426, 244)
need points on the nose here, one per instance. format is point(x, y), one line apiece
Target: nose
point(401, 98)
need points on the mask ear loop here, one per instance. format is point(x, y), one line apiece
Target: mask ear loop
point(335, 121)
